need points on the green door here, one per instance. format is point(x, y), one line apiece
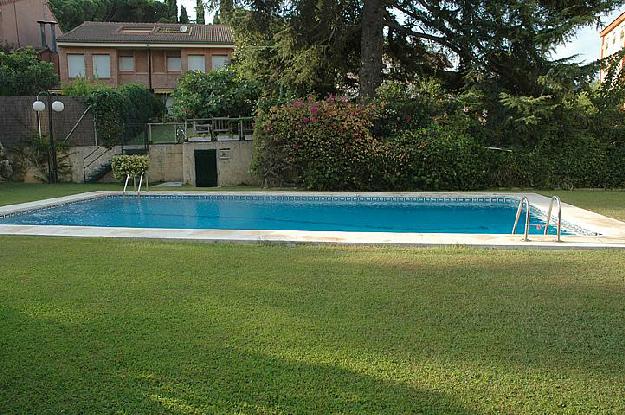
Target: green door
point(205, 168)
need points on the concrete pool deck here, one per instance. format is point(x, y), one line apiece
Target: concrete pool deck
point(610, 232)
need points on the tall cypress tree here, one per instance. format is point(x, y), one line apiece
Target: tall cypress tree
point(172, 6)
point(184, 17)
point(225, 10)
point(199, 12)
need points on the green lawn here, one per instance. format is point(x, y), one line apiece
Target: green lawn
point(608, 203)
point(148, 327)
point(127, 327)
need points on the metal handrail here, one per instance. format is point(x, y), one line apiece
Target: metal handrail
point(555, 199)
point(126, 183)
point(135, 189)
point(524, 201)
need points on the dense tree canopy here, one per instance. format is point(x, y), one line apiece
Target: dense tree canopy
point(71, 13)
point(507, 43)
point(22, 73)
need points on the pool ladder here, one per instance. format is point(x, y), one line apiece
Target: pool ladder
point(138, 190)
point(525, 202)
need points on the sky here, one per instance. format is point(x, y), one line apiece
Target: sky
point(586, 43)
point(190, 6)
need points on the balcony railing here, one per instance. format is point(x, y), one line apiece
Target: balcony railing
point(219, 129)
point(206, 129)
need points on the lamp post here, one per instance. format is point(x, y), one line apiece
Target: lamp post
point(39, 107)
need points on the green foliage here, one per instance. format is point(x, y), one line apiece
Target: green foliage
point(6, 167)
point(321, 145)
point(108, 106)
point(435, 158)
point(308, 49)
point(71, 13)
point(172, 11)
point(133, 165)
point(82, 87)
point(199, 12)
point(184, 17)
point(142, 106)
point(218, 93)
point(117, 111)
point(34, 153)
point(22, 73)
point(422, 103)
point(335, 149)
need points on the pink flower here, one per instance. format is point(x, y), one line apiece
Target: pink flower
point(306, 120)
point(298, 104)
point(314, 110)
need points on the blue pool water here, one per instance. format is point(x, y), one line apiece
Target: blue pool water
point(315, 213)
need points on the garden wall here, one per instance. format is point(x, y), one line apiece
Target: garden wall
point(166, 163)
point(234, 159)
point(18, 121)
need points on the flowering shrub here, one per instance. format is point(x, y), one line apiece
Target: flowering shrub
point(323, 145)
point(329, 145)
point(133, 165)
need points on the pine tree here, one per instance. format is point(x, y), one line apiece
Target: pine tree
point(184, 17)
point(199, 12)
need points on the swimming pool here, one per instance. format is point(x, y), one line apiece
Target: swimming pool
point(397, 214)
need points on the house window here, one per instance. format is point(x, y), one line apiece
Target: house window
point(197, 63)
point(101, 66)
point(76, 65)
point(173, 63)
point(126, 63)
point(220, 62)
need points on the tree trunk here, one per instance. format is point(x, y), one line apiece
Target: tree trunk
point(371, 47)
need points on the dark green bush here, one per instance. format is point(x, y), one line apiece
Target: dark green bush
point(324, 145)
point(23, 73)
point(329, 145)
point(436, 158)
point(219, 93)
point(118, 111)
point(129, 164)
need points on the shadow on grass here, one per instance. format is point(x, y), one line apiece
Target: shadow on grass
point(51, 367)
point(533, 311)
point(219, 329)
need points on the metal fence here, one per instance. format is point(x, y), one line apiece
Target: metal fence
point(219, 129)
point(166, 132)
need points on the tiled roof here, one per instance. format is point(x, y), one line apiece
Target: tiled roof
point(113, 32)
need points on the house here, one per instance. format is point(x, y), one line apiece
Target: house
point(612, 39)
point(153, 54)
point(29, 23)
point(26, 23)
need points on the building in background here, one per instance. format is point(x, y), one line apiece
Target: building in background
point(153, 54)
point(29, 23)
point(613, 40)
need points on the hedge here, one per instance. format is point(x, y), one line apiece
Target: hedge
point(133, 165)
point(330, 145)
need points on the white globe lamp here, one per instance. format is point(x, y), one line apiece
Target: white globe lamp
point(58, 106)
point(39, 106)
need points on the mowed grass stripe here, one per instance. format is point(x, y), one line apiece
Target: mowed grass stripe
point(118, 326)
